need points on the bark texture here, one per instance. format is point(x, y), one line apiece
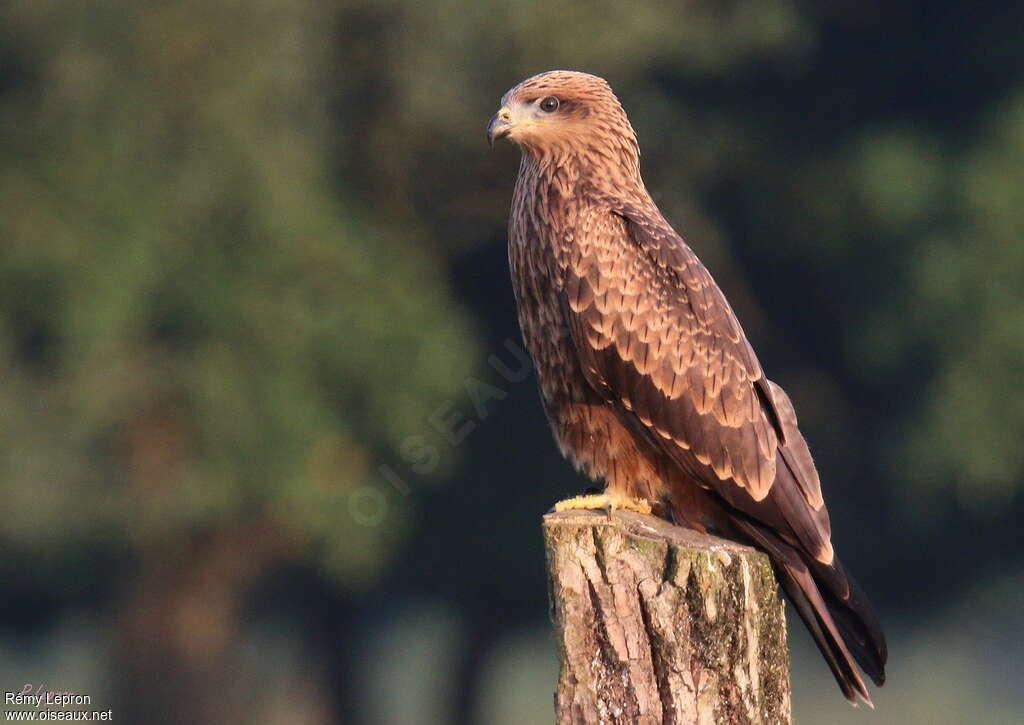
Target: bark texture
point(658, 624)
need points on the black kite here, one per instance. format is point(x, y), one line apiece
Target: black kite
point(653, 386)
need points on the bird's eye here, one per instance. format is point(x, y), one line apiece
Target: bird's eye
point(549, 104)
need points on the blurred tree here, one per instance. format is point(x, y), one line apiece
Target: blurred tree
point(205, 348)
point(965, 304)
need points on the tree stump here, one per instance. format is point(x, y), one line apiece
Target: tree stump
point(658, 624)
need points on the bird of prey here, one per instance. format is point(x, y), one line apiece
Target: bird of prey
point(645, 373)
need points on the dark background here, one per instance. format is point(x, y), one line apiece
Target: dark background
point(253, 276)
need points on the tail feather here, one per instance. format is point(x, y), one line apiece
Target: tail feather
point(820, 588)
point(828, 643)
point(846, 631)
point(854, 616)
point(867, 650)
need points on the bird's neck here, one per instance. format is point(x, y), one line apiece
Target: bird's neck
point(558, 193)
point(580, 171)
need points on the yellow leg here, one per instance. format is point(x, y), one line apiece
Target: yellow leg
point(607, 501)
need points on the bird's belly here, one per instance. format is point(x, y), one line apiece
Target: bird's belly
point(595, 440)
point(587, 428)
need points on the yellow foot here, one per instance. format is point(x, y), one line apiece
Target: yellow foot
point(607, 501)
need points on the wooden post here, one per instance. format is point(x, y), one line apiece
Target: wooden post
point(656, 624)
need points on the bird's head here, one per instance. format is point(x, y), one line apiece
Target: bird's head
point(563, 110)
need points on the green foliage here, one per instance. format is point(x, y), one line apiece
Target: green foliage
point(966, 285)
point(197, 328)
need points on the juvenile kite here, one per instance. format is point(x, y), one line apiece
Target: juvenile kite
point(646, 375)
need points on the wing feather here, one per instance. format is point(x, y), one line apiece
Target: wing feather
point(656, 336)
point(654, 329)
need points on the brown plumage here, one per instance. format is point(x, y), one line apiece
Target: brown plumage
point(645, 373)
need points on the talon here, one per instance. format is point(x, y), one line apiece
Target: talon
point(606, 501)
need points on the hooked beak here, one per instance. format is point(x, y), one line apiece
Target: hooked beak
point(500, 125)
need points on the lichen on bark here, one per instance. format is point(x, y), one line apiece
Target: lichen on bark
point(657, 624)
